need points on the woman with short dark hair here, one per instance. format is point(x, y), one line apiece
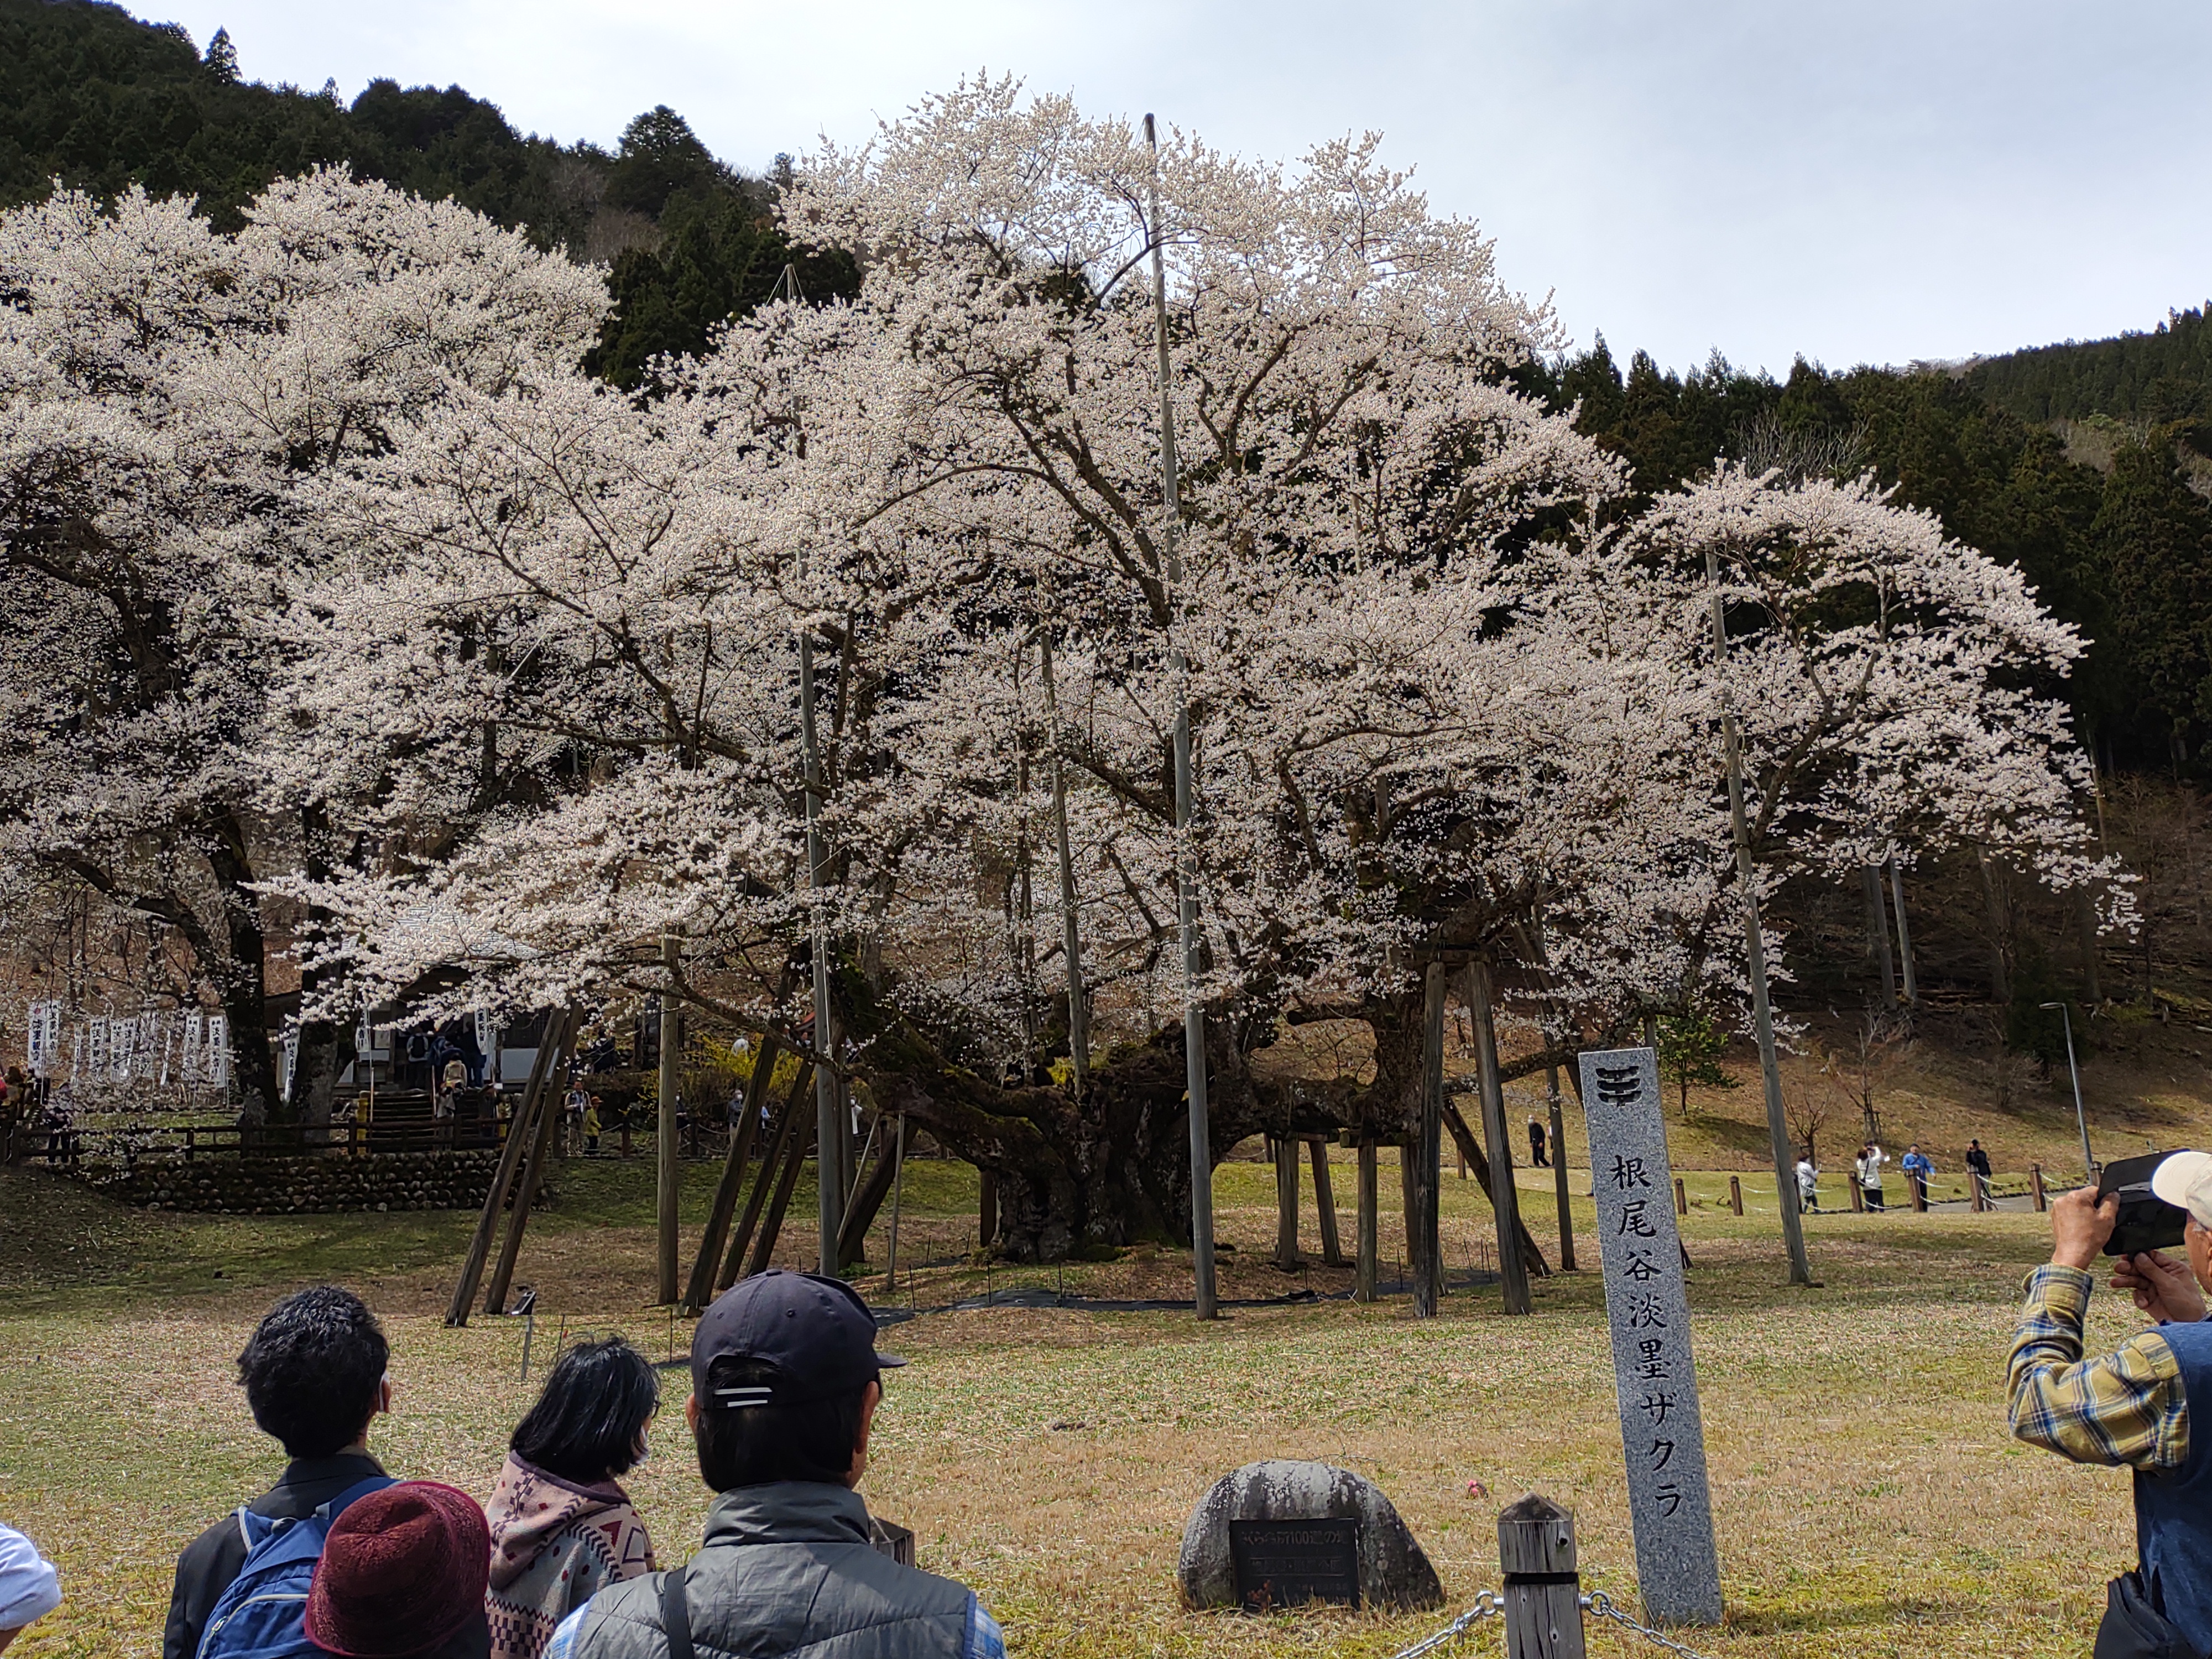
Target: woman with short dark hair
point(560, 1526)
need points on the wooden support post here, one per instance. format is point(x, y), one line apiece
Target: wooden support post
point(1409, 1208)
point(987, 1209)
point(510, 1157)
point(1560, 1175)
point(1332, 1251)
point(1542, 1590)
point(667, 1156)
point(1735, 1194)
point(1919, 1188)
point(765, 1251)
point(1286, 1151)
point(1424, 1244)
point(1681, 1198)
point(2035, 1185)
point(1504, 1198)
point(1364, 1290)
point(700, 1291)
point(1858, 1196)
point(788, 1124)
point(866, 1204)
point(533, 1169)
point(1975, 1201)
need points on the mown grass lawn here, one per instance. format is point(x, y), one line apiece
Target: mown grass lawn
point(1868, 1497)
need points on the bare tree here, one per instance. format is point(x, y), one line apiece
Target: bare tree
point(1862, 1070)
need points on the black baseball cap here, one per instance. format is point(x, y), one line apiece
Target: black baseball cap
point(815, 1332)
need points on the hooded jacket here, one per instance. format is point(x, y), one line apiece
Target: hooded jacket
point(554, 1544)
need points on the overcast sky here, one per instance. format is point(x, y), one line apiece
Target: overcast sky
point(1870, 181)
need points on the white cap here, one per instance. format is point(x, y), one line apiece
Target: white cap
point(2185, 1180)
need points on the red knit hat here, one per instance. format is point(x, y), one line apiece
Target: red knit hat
point(403, 1571)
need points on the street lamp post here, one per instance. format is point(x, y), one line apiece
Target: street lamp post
point(2088, 1162)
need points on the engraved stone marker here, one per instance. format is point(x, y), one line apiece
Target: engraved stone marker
point(1654, 1377)
point(1284, 1563)
point(1281, 1532)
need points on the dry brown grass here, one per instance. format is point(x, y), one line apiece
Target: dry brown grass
point(1869, 1498)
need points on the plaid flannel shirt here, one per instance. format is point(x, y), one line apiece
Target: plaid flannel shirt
point(2125, 1407)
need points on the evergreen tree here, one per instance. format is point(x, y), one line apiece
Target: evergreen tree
point(1690, 1047)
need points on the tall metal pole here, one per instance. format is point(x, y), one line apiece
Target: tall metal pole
point(827, 1128)
point(1755, 938)
point(668, 1165)
point(2080, 1118)
point(1194, 1014)
point(1070, 940)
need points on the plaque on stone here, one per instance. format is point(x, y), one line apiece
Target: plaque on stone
point(1654, 1376)
point(1282, 1532)
point(1286, 1564)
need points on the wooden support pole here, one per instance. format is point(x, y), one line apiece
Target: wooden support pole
point(510, 1158)
point(1286, 1203)
point(1364, 1290)
point(1542, 1590)
point(1504, 1199)
point(533, 1169)
point(867, 1203)
point(898, 1193)
point(668, 1165)
point(1332, 1251)
point(1559, 1173)
point(1976, 1201)
point(1681, 1198)
point(789, 1123)
point(2035, 1185)
point(764, 1249)
point(1422, 1244)
point(700, 1289)
point(1919, 1190)
point(1858, 1195)
point(1735, 1194)
point(987, 1209)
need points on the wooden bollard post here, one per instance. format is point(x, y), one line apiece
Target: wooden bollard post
point(1735, 1194)
point(1542, 1590)
point(2035, 1185)
point(1919, 1192)
point(1975, 1201)
point(1858, 1196)
point(1366, 1244)
point(1681, 1198)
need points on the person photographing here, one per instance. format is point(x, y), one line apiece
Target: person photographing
point(2130, 1407)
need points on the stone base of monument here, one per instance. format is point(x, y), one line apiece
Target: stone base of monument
point(1282, 1533)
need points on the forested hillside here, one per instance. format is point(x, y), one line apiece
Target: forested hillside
point(94, 98)
point(2162, 377)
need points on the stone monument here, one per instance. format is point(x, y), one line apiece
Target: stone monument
point(1654, 1375)
point(1280, 1533)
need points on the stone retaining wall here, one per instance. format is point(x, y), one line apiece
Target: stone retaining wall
point(308, 1185)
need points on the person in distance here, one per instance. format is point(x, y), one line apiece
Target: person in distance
point(785, 1383)
point(314, 1378)
point(562, 1528)
point(2130, 1407)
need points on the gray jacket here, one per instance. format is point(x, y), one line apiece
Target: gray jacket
point(787, 1571)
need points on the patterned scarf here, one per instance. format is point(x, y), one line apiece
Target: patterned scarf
point(553, 1544)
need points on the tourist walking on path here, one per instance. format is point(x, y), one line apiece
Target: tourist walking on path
point(313, 1374)
point(1808, 1184)
point(591, 1128)
point(2130, 1407)
point(784, 1384)
point(1866, 1169)
point(1978, 1163)
point(30, 1588)
point(1536, 1144)
point(562, 1529)
point(1918, 1168)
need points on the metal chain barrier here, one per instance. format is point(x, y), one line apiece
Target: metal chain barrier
point(1487, 1605)
point(1601, 1605)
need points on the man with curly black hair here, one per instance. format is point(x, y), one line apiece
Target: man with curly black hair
point(314, 1378)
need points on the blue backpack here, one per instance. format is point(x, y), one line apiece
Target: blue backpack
point(260, 1615)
